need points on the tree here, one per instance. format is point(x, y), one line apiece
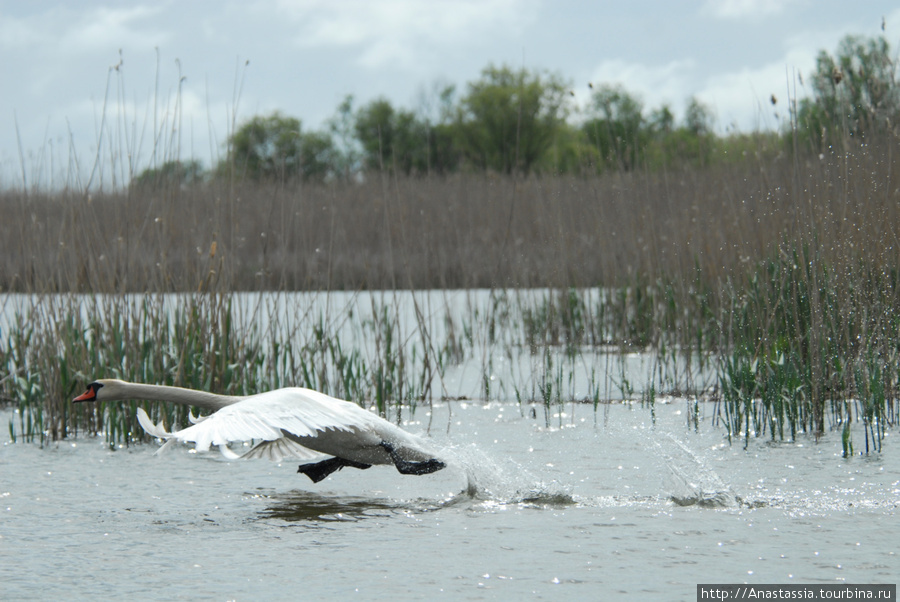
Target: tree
point(317, 156)
point(346, 151)
point(571, 152)
point(392, 139)
point(662, 121)
point(699, 119)
point(617, 127)
point(170, 174)
point(267, 147)
point(438, 113)
point(853, 93)
point(375, 131)
point(274, 147)
point(508, 119)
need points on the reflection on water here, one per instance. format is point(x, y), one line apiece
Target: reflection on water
point(308, 506)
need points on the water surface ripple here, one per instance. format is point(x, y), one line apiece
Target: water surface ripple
point(592, 508)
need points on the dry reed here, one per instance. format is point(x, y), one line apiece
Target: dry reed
point(459, 231)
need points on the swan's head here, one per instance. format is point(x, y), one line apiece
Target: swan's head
point(105, 389)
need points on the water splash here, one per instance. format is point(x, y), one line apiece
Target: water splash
point(691, 482)
point(489, 483)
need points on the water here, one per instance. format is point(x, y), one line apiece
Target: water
point(587, 509)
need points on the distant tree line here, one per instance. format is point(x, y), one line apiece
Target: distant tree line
point(525, 121)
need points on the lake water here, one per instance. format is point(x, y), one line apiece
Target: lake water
point(599, 506)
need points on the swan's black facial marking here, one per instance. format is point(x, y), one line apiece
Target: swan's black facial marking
point(90, 394)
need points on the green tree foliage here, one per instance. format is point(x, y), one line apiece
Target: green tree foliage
point(392, 139)
point(438, 113)
point(317, 154)
point(617, 127)
point(341, 127)
point(399, 140)
point(571, 152)
point(274, 147)
point(170, 174)
point(662, 121)
point(508, 119)
point(698, 118)
point(694, 141)
point(853, 93)
point(624, 139)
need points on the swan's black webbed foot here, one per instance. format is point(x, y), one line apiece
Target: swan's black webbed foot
point(319, 470)
point(407, 467)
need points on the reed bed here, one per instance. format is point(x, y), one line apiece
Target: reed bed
point(460, 231)
point(777, 273)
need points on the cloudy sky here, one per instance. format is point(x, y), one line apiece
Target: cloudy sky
point(220, 61)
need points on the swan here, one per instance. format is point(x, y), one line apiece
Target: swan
point(291, 423)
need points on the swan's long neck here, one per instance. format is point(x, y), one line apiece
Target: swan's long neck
point(190, 397)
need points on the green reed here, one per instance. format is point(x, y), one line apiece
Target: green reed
point(57, 344)
point(806, 340)
point(64, 342)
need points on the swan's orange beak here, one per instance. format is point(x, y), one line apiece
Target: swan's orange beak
point(89, 395)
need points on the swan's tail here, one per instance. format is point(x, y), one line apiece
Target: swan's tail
point(155, 430)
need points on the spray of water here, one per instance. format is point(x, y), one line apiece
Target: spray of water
point(490, 483)
point(691, 481)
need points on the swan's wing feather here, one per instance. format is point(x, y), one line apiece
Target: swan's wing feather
point(300, 412)
point(228, 424)
point(227, 453)
point(165, 446)
point(305, 412)
point(281, 449)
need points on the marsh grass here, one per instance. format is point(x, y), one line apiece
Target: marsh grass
point(808, 335)
point(62, 342)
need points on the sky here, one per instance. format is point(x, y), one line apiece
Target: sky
point(176, 76)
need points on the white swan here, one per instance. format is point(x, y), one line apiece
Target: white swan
point(291, 423)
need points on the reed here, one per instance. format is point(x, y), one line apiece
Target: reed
point(63, 342)
point(806, 340)
point(768, 285)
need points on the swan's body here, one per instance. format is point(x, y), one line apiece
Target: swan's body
point(291, 423)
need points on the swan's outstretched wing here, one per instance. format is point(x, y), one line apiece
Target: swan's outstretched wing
point(276, 450)
point(268, 416)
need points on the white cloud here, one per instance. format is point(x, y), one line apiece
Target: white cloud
point(742, 97)
point(404, 33)
point(741, 9)
point(103, 28)
point(78, 31)
point(656, 85)
point(19, 33)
